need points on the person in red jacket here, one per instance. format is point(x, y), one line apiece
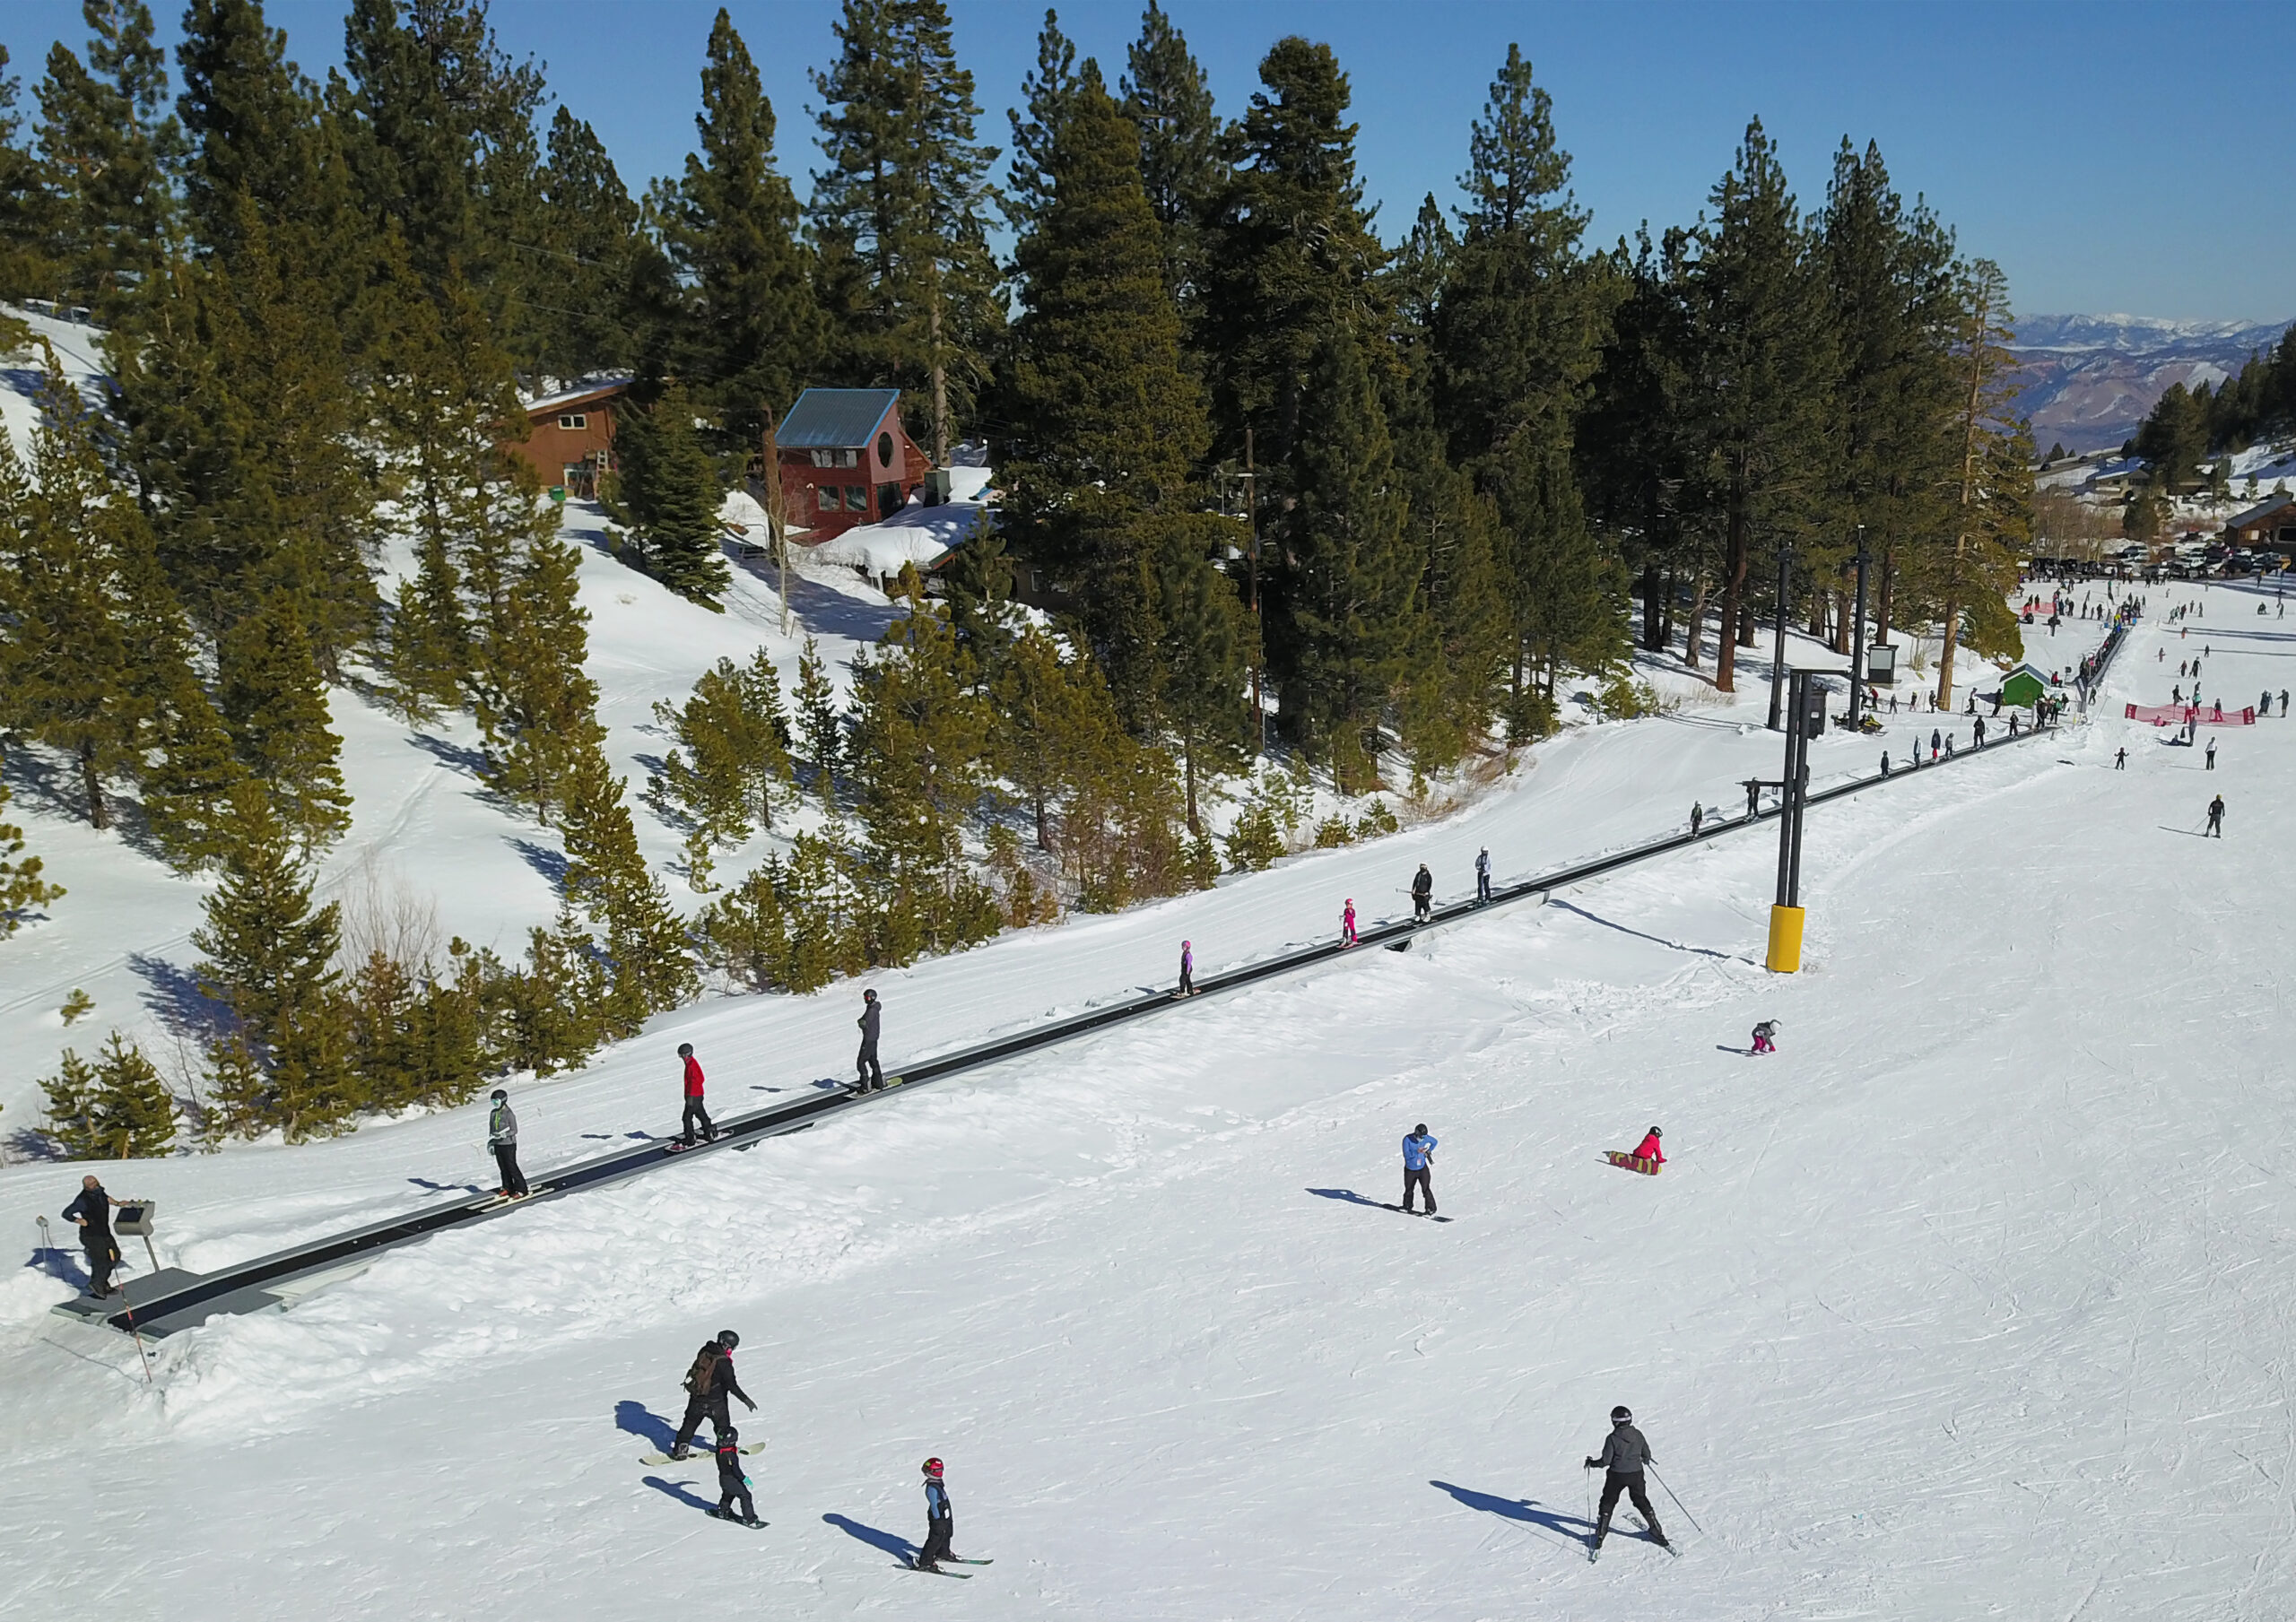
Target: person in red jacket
point(1648, 1149)
point(693, 1109)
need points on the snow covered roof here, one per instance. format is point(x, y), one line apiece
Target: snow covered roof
point(599, 388)
point(2263, 509)
point(835, 419)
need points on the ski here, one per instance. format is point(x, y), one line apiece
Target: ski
point(960, 1576)
point(960, 1560)
point(699, 1455)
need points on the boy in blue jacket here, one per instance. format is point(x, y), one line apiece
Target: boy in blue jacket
point(940, 1521)
point(1419, 1167)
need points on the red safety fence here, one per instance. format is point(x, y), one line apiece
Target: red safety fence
point(2203, 715)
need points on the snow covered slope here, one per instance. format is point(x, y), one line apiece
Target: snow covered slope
point(1973, 1300)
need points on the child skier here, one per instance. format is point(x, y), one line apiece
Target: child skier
point(1648, 1149)
point(1188, 970)
point(732, 1483)
point(694, 1109)
point(1347, 923)
point(1626, 1455)
point(940, 1521)
point(1763, 1035)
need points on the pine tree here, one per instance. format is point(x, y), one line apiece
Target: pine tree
point(252, 130)
point(429, 647)
point(1204, 635)
point(1168, 97)
point(267, 953)
point(21, 889)
point(730, 761)
point(592, 245)
point(1349, 622)
point(116, 1109)
point(646, 947)
point(107, 145)
point(273, 701)
point(27, 229)
point(755, 328)
point(1045, 732)
point(555, 1013)
point(669, 488)
point(818, 721)
point(1047, 92)
point(901, 210)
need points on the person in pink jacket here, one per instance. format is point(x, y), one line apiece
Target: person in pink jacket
point(1648, 1149)
point(1347, 923)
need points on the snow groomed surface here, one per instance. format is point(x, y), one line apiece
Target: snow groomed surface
point(186, 1301)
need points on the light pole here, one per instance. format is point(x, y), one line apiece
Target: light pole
point(1858, 640)
point(1777, 661)
point(1805, 719)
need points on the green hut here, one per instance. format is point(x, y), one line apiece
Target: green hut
point(2024, 686)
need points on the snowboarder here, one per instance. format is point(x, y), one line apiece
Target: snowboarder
point(502, 1138)
point(1979, 730)
point(732, 1483)
point(1624, 1456)
point(1347, 923)
point(1648, 1149)
point(91, 1212)
point(694, 1112)
point(2283, 700)
point(2212, 754)
point(1937, 742)
point(940, 1520)
point(1422, 894)
point(1483, 875)
point(1188, 970)
point(1697, 816)
point(1763, 1035)
point(708, 1383)
point(2120, 759)
point(1419, 1167)
point(1885, 763)
point(870, 1075)
point(2215, 822)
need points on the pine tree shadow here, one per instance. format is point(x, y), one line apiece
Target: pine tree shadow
point(48, 782)
point(550, 864)
point(829, 612)
point(173, 995)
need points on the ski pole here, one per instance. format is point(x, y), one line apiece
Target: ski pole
point(146, 1357)
point(1679, 1504)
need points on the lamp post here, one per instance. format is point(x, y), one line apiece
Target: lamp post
point(1777, 660)
point(1805, 719)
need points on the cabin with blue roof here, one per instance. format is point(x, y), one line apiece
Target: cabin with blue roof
point(846, 459)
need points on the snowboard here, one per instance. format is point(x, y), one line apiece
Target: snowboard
point(715, 1513)
point(1431, 1216)
point(676, 1147)
point(1619, 1157)
point(699, 1455)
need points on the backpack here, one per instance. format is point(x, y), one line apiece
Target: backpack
point(705, 1368)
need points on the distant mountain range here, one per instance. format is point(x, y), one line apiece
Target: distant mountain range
point(2089, 380)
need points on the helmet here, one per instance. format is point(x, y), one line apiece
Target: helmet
point(727, 1339)
point(727, 1438)
point(1622, 1415)
point(500, 1097)
point(1657, 1134)
point(685, 1050)
point(868, 996)
point(933, 1468)
point(1185, 944)
point(1420, 1130)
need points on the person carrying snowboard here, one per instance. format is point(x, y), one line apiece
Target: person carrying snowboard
point(694, 1112)
point(1649, 1150)
point(940, 1520)
point(1483, 875)
point(1419, 1167)
point(1347, 923)
point(1422, 893)
point(1188, 970)
point(502, 1138)
point(708, 1383)
point(1624, 1456)
point(732, 1484)
point(869, 1074)
point(1763, 1035)
point(2215, 818)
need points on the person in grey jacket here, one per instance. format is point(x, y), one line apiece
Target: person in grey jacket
point(1625, 1454)
point(502, 1138)
point(871, 1074)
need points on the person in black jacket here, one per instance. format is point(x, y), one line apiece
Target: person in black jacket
point(732, 1484)
point(1624, 1455)
point(708, 1383)
point(93, 1212)
point(870, 1073)
point(1422, 893)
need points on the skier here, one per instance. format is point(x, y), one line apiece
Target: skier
point(1937, 742)
point(1187, 971)
point(1625, 1454)
point(1979, 730)
point(732, 1484)
point(869, 1075)
point(2212, 754)
point(1697, 815)
point(1885, 763)
point(1483, 875)
point(1347, 923)
point(2283, 700)
point(93, 1213)
point(502, 1138)
point(694, 1112)
point(1422, 893)
point(2120, 759)
point(1949, 746)
point(2215, 824)
point(1753, 798)
point(1763, 1035)
point(940, 1520)
point(1648, 1149)
point(708, 1383)
point(1419, 1167)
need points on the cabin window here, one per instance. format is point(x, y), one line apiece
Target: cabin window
point(884, 450)
point(825, 498)
point(822, 459)
point(857, 498)
point(574, 419)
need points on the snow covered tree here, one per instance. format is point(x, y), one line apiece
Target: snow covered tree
point(21, 889)
point(113, 1108)
point(668, 487)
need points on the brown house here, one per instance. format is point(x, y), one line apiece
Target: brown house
point(846, 459)
point(2269, 524)
point(569, 436)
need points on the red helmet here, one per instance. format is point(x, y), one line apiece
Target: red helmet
point(933, 1468)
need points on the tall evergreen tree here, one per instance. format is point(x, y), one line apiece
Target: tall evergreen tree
point(274, 702)
point(595, 255)
point(1046, 91)
point(755, 329)
point(729, 765)
point(669, 488)
point(650, 966)
point(250, 120)
point(1168, 97)
point(27, 229)
point(902, 209)
point(108, 143)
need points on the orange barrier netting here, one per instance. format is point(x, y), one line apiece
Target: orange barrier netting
point(2203, 715)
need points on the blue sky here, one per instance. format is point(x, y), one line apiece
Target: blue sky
point(2112, 156)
